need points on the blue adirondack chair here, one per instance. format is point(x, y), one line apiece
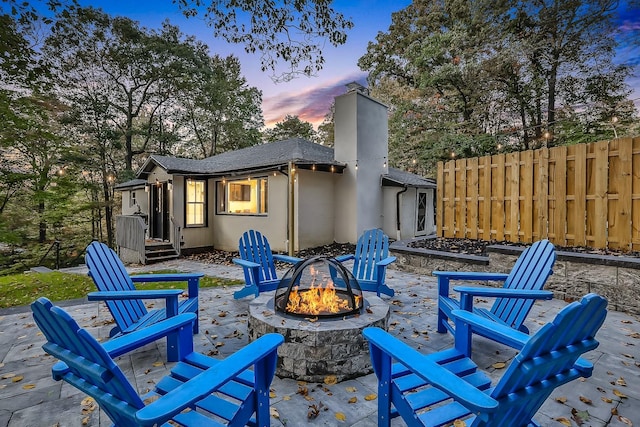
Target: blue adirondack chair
point(258, 264)
point(370, 261)
point(217, 392)
point(522, 286)
point(439, 388)
point(125, 303)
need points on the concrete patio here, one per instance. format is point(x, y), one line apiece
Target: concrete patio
point(29, 397)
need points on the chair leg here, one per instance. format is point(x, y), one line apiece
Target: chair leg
point(384, 289)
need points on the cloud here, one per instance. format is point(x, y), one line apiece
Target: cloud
point(310, 105)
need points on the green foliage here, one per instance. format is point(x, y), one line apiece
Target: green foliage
point(478, 77)
point(290, 127)
point(289, 31)
point(22, 289)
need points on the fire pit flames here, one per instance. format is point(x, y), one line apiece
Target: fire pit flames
point(321, 287)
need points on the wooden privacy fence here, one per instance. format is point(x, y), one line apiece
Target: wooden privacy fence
point(578, 195)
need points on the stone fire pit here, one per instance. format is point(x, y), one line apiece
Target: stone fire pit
point(315, 348)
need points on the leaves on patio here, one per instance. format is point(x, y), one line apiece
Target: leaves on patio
point(330, 380)
point(459, 423)
point(563, 421)
point(341, 417)
point(314, 410)
point(371, 396)
point(499, 365)
point(619, 394)
point(579, 416)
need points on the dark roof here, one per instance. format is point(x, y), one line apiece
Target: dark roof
point(255, 158)
point(134, 183)
point(400, 178)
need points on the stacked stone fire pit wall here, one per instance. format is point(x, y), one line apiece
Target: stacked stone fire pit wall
point(617, 278)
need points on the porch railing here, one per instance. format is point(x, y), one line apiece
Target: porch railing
point(130, 234)
point(177, 236)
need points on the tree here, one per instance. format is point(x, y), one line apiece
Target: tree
point(471, 78)
point(290, 127)
point(293, 31)
point(133, 70)
point(326, 130)
point(220, 111)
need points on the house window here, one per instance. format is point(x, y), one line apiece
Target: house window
point(196, 201)
point(242, 196)
point(132, 199)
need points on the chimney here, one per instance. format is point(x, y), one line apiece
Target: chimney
point(361, 141)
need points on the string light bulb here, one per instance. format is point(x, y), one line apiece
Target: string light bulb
point(384, 165)
point(356, 165)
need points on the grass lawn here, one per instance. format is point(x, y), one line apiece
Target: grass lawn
point(24, 288)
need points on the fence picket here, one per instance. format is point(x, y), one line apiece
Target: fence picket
point(581, 195)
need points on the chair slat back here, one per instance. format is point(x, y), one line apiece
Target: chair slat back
point(254, 247)
point(109, 274)
point(85, 363)
point(530, 272)
point(372, 247)
point(548, 360)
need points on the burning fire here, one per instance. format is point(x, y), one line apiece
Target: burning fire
point(318, 299)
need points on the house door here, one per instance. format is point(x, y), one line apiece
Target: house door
point(159, 211)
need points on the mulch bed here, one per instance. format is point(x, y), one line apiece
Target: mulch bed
point(226, 258)
point(479, 247)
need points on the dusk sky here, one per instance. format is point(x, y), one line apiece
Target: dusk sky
point(310, 98)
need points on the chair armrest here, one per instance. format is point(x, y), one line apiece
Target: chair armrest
point(205, 383)
point(287, 258)
point(245, 263)
point(142, 294)
point(171, 277)
point(505, 293)
point(385, 262)
point(125, 343)
point(459, 390)
point(469, 275)
point(343, 258)
point(492, 330)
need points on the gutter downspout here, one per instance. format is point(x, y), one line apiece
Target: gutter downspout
point(398, 211)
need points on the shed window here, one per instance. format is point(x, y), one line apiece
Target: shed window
point(242, 196)
point(196, 201)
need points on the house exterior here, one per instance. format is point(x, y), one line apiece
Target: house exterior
point(297, 193)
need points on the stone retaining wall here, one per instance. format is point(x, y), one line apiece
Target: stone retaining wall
point(574, 274)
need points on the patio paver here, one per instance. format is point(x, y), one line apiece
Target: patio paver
point(37, 400)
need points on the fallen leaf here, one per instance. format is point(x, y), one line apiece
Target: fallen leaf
point(624, 420)
point(29, 386)
point(286, 398)
point(561, 399)
point(351, 389)
point(309, 398)
point(353, 400)
point(459, 423)
point(563, 421)
point(606, 399)
point(330, 380)
point(151, 399)
point(621, 381)
point(157, 364)
point(218, 344)
point(371, 396)
point(6, 376)
point(274, 412)
point(17, 379)
point(619, 394)
point(579, 416)
point(586, 400)
point(340, 416)
point(626, 321)
point(85, 421)
point(223, 314)
point(272, 395)
point(313, 412)
point(499, 365)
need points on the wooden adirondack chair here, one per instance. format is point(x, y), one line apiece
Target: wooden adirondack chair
point(217, 392)
point(370, 261)
point(451, 381)
point(125, 303)
point(258, 264)
point(522, 286)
